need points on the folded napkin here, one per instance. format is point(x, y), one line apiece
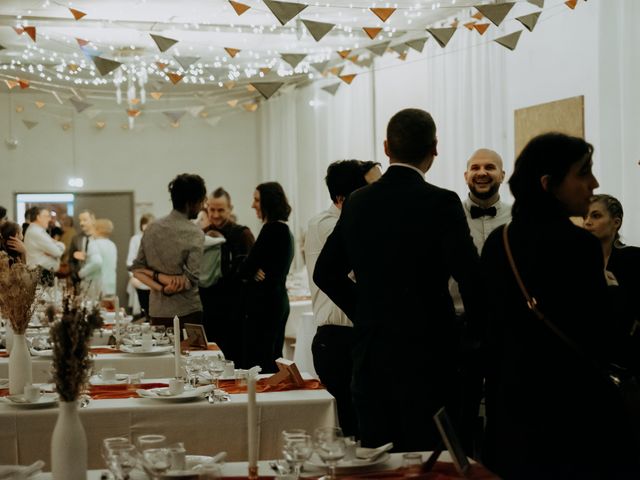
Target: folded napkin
point(372, 454)
point(149, 393)
point(20, 471)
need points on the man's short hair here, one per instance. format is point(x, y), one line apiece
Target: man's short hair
point(186, 189)
point(3, 212)
point(411, 135)
point(346, 176)
point(31, 213)
point(90, 212)
point(221, 192)
point(145, 219)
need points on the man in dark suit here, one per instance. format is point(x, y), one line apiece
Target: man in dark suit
point(80, 243)
point(402, 238)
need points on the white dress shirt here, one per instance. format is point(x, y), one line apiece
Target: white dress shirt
point(320, 227)
point(481, 227)
point(100, 266)
point(42, 249)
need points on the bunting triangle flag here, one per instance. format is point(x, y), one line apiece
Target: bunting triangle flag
point(11, 84)
point(372, 32)
point(353, 58)
point(104, 65)
point(186, 62)
point(383, 13)
point(82, 42)
point(250, 106)
point(509, 41)
point(537, 3)
point(2, 47)
point(400, 49)
point(100, 125)
point(454, 24)
point(135, 101)
point(73, 67)
point(529, 21)
point(240, 8)
point(495, 12)
point(175, 116)
point(230, 84)
point(417, 44)
point(348, 78)
point(232, 103)
point(212, 122)
point(332, 89)
point(481, 27)
point(477, 16)
point(321, 66)
point(79, 105)
point(318, 29)
point(175, 124)
point(77, 14)
point(133, 112)
point(403, 55)
point(264, 70)
point(442, 35)
point(31, 31)
point(379, 49)
point(195, 111)
point(293, 59)
point(19, 109)
point(469, 25)
point(161, 65)
point(24, 84)
point(232, 51)
point(284, 11)
point(267, 89)
point(569, 3)
point(156, 95)
point(251, 89)
point(39, 104)
point(337, 70)
point(163, 43)
point(174, 77)
point(344, 53)
point(29, 124)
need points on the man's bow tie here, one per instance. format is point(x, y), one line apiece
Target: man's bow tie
point(477, 212)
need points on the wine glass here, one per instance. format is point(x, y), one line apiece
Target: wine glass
point(330, 446)
point(215, 367)
point(156, 461)
point(158, 332)
point(296, 448)
point(123, 459)
point(150, 441)
point(193, 366)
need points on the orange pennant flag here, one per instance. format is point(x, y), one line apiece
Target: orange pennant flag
point(82, 42)
point(73, 67)
point(19, 109)
point(31, 31)
point(230, 84)
point(571, 4)
point(39, 104)
point(18, 30)
point(353, 58)
point(135, 101)
point(469, 25)
point(481, 27)
point(240, 8)
point(477, 16)
point(232, 51)
point(232, 103)
point(372, 32)
point(156, 95)
point(100, 125)
point(383, 13)
point(23, 83)
point(347, 78)
point(251, 88)
point(132, 112)
point(344, 53)
point(250, 107)
point(265, 70)
point(336, 70)
point(175, 77)
point(11, 84)
point(175, 124)
point(454, 24)
point(403, 56)
point(161, 66)
point(77, 14)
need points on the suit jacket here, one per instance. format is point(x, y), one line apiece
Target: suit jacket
point(403, 238)
point(77, 245)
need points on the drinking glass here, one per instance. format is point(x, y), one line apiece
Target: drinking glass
point(296, 450)
point(193, 366)
point(169, 333)
point(329, 444)
point(112, 442)
point(215, 367)
point(156, 461)
point(123, 459)
point(158, 332)
point(150, 441)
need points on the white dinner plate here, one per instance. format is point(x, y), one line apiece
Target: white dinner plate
point(42, 353)
point(46, 400)
point(157, 350)
point(163, 395)
point(348, 465)
point(193, 461)
point(109, 318)
point(120, 378)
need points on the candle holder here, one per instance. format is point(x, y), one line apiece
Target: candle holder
point(253, 473)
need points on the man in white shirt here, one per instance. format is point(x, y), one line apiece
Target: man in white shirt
point(332, 344)
point(41, 248)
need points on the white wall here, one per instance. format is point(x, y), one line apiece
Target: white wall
point(113, 159)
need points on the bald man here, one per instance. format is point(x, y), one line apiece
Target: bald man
point(483, 207)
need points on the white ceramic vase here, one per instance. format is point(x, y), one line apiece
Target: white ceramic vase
point(69, 445)
point(9, 336)
point(19, 365)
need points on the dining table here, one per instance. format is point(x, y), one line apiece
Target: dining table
point(205, 428)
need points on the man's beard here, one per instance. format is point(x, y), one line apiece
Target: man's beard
point(484, 195)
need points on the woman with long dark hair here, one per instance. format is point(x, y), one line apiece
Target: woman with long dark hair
point(551, 411)
point(265, 273)
point(11, 241)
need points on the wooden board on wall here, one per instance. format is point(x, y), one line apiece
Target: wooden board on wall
point(566, 116)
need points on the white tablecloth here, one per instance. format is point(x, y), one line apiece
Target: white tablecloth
point(25, 435)
point(153, 366)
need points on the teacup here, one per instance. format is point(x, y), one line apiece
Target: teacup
point(31, 393)
point(176, 386)
point(108, 374)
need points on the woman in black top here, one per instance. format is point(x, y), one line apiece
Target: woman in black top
point(550, 412)
point(265, 273)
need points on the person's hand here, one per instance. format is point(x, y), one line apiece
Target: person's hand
point(259, 276)
point(611, 279)
point(78, 255)
point(14, 243)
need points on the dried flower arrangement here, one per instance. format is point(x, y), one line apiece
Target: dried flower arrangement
point(18, 288)
point(70, 337)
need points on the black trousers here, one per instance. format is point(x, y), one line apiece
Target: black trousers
point(331, 350)
point(143, 298)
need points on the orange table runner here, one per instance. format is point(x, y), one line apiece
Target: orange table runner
point(262, 387)
point(102, 392)
point(4, 354)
